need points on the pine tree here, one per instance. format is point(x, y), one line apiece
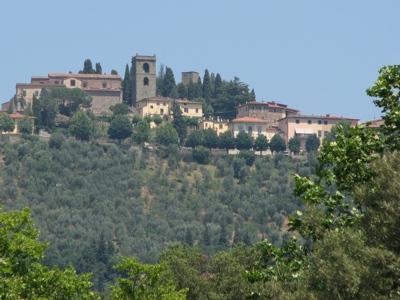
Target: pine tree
point(253, 95)
point(99, 69)
point(206, 86)
point(127, 87)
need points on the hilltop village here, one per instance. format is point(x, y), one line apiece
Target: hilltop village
point(48, 102)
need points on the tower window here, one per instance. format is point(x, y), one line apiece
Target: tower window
point(146, 81)
point(72, 82)
point(146, 68)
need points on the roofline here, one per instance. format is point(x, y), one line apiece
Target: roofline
point(318, 117)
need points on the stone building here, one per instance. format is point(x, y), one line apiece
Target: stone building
point(219, 125)
point(303, 126)
point(105, 90)
point(271, 112)
point(253, 127)
point(190, 77)
point(143, 77)
point(162, 106)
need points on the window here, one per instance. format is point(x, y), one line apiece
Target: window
point(186, 110)
point(164, 104)
point(326, 133)
point(146, 68)
point(197, 110)
point(220, 126)
point(206, 124)
point(319, 122)
point(158, 103)
point(259, 129)
point(319, 133)
point(151, 106)
point(161, 111)
point(84, 84)
point(73, 82)
point(56, 82)
point(297, 121)
point(309, 122)
point(250, 130)
point(326, 122)
point(104, 85)
point(36, 93)
point(146, 81)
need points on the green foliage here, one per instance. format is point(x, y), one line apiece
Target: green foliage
point(194, 139)
point(136, 119)
point(56, 140)
point(261, 143)
point(166, 135)
point(210, 138)
point(81, 126)
point(206, 85)
point(201, 154)
point(312, 143)
point(25, 126)
point(141, 132)
point(227, 141)
point(277, 144)
point(120, 109)
point(120, 128)
point(6, 123)
point(248, 156)
point(127, 87)
point(22, 274)
point(243, 141)
point(294, 145)
point(99, 69)
point(169, 85)
point(157, 119)
point(142, 281)
point(179, 122)
point(87, 67)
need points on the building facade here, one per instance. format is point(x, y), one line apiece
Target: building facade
point(190, 77)
point(162, 106)
point(271, 112)
point(143, 77)
point(252, 126)
point(303, 126)
point(105, 90)
point(220, 126)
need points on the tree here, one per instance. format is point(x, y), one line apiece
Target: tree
point(201, 155)
point(99, 69)
point(157, 119)
point(25, 126)
point(80, 126)
point(294, 145)
point(210, 138)
point(87, 67)
point(144, 281)
point(166, 135)
point(127, 87)
point(114, 72)
point(206, 86)
point(217, 86)
point(248, 157)
point(120, 128)
point(69, 100)
point(312, 143)
point(182, 91)
point(22, 274)
point(261, 143)
point(6, 123)
point(226, 140)
point(120, 109)
point(169, 85)
point(277, 144)
point(160, 81)
point(56, 140)
point(194, 139)
point(10, 108)
point(141, 132)
point(243, 141)
point(178, 121)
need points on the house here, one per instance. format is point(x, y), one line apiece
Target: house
point(220, 126)
point(306, 125)
point(105, 90)
point(162, 106)
point(253, 127)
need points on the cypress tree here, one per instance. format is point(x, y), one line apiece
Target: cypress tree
point(127, 87)
point(206, 86)
point(217, 86)
point(178, 122)
point(169, 85)
point(87, 67)
point(99, 69)
point(160, 81)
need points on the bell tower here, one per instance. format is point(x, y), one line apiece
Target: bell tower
point(143, 77)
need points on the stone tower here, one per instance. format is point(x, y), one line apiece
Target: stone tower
point(143, 77)
point(190, 77)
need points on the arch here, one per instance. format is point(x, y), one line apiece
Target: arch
point(146, 68)
point(146, 81)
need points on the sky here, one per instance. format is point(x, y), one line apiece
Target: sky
point(316, 56)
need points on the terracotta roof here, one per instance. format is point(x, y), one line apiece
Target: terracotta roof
point(248, 120)
point(17, 115)
point(79, 75)
point(35, 85)
point(323, 117)
point(271, 104)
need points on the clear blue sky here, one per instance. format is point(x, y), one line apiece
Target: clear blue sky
point(317, 56)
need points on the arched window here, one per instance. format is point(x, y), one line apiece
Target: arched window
point(146, 68)
point(146, 81)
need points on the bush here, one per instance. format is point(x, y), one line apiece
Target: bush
point(248, 156)
point(201, 155)
point(56, 140)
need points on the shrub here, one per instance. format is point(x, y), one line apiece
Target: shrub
point(201, 154)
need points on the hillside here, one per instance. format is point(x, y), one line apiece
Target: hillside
point(87, 197)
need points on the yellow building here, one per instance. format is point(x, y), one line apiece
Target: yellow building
point(306, 125)
point(220, 126)
point(162, 106)
point(253, 127)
